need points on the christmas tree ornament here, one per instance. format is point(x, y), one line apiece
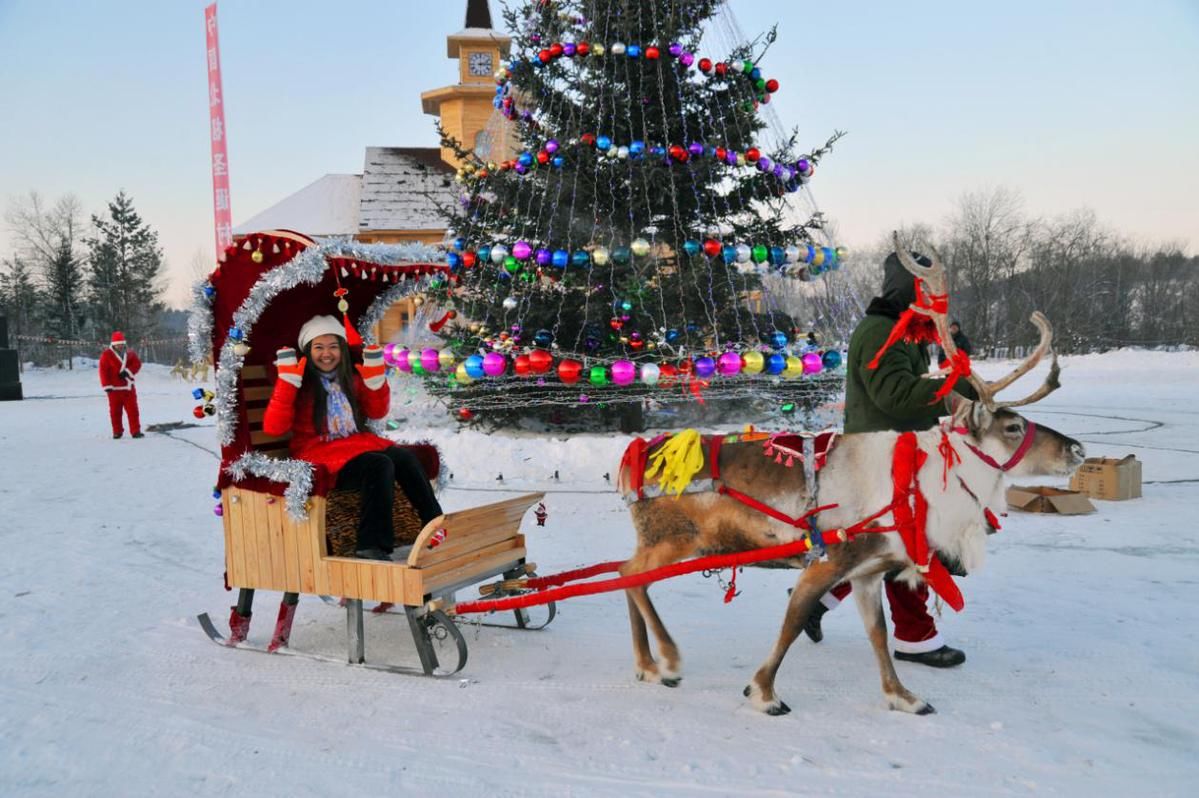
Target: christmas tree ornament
point(561, 258)
point(445, 359)
point(521, 250)
point(831, 359)
point(498, 253)
point(598, 376)
point(464, 414)
point(510, 303)
point(812, 363)
point(520, 366)
point(624, 372)
point(430, 360)
point(779, 339)
point(540, 361)
point(760, 253)
point(461, 375)
point(776, 363)
point(633, 51)
point(744, 253)
point(640, 247)
point(543, 256)
point(794, 367)
point(600, 256)
point(753, 362)
point(650, 373)
point(580, 258)
point(692, 247)
point(569, 371)
point(474, 367)
point(543, 338)
point(494, 364)
point(618, 48)
point(729, 364)
point(256, 256)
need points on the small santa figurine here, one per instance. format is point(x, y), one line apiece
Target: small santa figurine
point(118, 365)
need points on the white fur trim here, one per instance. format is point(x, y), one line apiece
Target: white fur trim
point(921, 646)
point(318, 326)
point(830, 601)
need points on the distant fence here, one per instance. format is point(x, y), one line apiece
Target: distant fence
point(48, 351)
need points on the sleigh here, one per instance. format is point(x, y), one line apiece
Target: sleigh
point(287, 528)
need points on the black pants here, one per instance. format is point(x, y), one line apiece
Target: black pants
point(376, 474)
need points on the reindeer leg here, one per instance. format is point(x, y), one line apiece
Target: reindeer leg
point(641, 611)
point(868, 592)
point(816, 580)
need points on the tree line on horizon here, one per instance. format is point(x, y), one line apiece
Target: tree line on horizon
point(76, 280)
point(1101, 290)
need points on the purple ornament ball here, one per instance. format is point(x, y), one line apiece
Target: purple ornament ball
point(521, 169)
point(544, 256)
point(729, 364)
point(521, 250)
point(687, 59)
point(675, 49)
point(731, 158)
point(494, 364)
point(696, 149)
point(402, 361)
point(812, 364)
point(705, 367)
point(430, 360)
point(551, 146)
point(389, 355)
point(624, 372)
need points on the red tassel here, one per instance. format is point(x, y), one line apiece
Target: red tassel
point(731, 593)
point(437, 325)
point(352, 336)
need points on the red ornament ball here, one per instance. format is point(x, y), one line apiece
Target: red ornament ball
point(543, 157)
point(540, 361)
point(522, 366)
point(753, 154)
point(705, 65)
point(588, 139)
point(469, 259)
point(583, 48)
point(772, 85)
point(555, 50)
point(722, 69)
point(712, 248)
point(721, 153)
point(465, 414)
point(652, 53)
point(544, 56)
point(569, 371)
point(678, 153)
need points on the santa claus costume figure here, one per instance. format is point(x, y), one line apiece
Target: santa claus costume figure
point(118, 365)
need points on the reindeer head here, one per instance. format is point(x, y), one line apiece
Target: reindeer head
point(1000, 436)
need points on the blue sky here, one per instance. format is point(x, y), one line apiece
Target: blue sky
point(1070, 102)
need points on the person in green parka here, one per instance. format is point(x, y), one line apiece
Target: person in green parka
point(893, 396)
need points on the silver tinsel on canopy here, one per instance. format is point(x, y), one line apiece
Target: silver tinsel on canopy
point(297, 474)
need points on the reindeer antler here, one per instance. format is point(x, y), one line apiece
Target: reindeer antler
point(936, 280)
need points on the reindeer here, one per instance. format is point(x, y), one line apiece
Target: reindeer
point(961, 477)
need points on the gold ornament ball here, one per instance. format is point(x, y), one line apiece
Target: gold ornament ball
point(256, 256)
point(794, 367)
point(445, 358)
point(753, 362)
point(241, 349)
point(342, 305)
point(640, 247)
point(461, 375)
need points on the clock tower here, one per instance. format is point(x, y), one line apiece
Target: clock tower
point(465, 107)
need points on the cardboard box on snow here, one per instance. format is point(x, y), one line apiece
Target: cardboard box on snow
point(1109, 478)
point(1038, 499)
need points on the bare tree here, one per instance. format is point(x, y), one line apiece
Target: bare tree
point(49, 237)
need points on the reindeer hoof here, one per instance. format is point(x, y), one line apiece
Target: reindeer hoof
point(927, 709)
point(780, 708)
point(671, 681)
point(746, 691)
point(910, 704)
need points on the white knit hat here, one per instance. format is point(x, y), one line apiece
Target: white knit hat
point(318, 326)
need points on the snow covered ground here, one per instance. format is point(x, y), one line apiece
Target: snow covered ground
point(1082, 677)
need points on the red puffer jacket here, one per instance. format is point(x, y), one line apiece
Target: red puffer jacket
point(290, 410)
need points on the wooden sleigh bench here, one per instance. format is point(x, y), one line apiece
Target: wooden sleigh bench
point(267, 549)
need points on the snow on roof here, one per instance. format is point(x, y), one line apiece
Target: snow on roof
point(327, 206)
point(402, 188)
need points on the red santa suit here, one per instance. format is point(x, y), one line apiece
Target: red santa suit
point(118, 366)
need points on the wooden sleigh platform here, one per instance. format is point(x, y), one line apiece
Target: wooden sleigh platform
point(268, 549)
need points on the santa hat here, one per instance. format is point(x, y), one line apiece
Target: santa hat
point(318, 326)
point(118, 337)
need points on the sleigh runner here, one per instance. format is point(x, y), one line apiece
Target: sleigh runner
point(286, 526)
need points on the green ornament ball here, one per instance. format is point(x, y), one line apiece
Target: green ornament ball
point(760, 253)
point(511, 264)
point(598, 376)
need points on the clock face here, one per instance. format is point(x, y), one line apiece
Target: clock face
point(480, 64)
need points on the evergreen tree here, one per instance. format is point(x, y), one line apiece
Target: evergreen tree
point(19, 298)
point(634, 213)
point(64, 300)
point(126, 266)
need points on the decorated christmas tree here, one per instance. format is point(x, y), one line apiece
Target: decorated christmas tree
point(622, 216)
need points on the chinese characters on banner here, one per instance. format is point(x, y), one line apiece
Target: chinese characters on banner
point(222, 212)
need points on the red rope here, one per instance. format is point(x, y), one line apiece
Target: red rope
point(710, 563)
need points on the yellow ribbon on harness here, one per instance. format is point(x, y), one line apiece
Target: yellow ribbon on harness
point(679, 460)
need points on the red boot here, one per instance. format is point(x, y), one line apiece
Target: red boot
point(239, 627)
point(287, 614)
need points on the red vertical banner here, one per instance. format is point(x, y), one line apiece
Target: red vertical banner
point(221, 209)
